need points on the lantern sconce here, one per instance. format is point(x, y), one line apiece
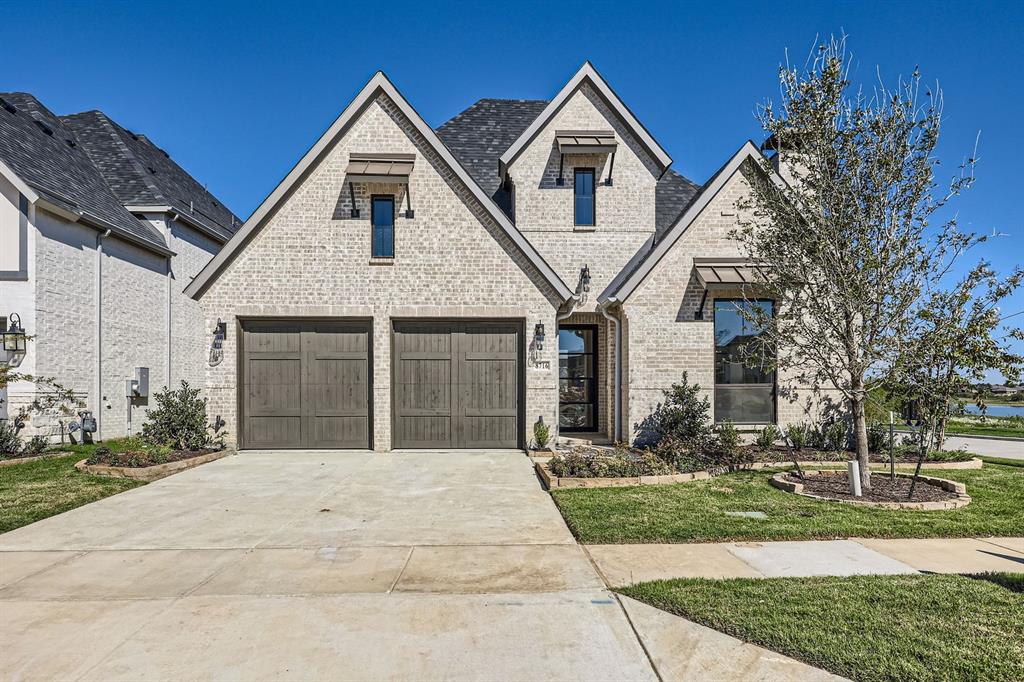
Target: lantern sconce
point(15, 340)
point(538, 336)
point(220, 332)
point(585, 278)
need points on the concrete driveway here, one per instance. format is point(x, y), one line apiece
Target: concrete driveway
point(308, 565)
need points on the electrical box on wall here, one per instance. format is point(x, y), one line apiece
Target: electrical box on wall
point(139, 386)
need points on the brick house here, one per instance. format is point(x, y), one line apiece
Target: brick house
point(405, 287)
point(100, 230)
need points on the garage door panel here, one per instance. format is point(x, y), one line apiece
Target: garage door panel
point(272, 432)
point(456, 384)
point(307, 384)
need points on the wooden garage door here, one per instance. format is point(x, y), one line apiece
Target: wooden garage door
point(305, 385)
point(457, 385)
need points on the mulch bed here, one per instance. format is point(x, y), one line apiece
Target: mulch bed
point(145, 459)
point(883, 489)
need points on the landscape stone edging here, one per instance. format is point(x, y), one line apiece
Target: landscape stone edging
point(962, 498)
point(35, 458)
point(150, 473)
point(552, 481)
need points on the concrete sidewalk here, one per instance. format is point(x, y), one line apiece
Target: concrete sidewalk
point(990, 447)
point(627, 564)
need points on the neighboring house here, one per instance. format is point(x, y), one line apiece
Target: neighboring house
point(100, 230)
point(405, 287)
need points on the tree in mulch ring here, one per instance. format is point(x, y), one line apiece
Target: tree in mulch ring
point(835, 485)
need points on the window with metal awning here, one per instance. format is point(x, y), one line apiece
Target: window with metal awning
point(729, 273)
point(585, 142)
point(380, 168)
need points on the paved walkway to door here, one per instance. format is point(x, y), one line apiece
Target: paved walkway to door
point(333, 565)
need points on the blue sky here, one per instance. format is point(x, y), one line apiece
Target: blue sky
point(236, 92)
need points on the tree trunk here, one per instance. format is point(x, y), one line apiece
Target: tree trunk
point(860, 434)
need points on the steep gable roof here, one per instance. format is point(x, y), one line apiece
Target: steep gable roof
point(45, 154)
point(378, 84)
point(626, 282)
point(589, 75)
point(142, 175)
point(480, 134)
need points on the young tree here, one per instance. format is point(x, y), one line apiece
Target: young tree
point(958, 337)
point(51, 397)
point(847, 237)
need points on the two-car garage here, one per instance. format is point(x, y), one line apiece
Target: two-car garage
point(309, 384)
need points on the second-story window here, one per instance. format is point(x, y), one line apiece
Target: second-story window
point(382, 215)
point(583, 194)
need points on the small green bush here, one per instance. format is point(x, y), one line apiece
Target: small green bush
point(728, 436)
point(684, 417)
point(767, 438)
point(834, 436)
point(36, 445)
point(10, 443)
point(878, 438)
point(799, 435)
point(178, 420)
point(541, 433)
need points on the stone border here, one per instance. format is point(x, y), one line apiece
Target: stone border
point(552, 481)
point(150, 473)
point(962, 498)
point(973, 463)
point(10, 461)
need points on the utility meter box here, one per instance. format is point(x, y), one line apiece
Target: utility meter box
point(139, 386)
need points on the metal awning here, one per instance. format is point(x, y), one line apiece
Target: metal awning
point(725, 272)
point(737, 271)
point(585, 141)
point(380, 167)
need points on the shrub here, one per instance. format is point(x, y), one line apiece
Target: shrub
point(620, 463)
point(10, 444)
point(541, 433)
point(728, 436)
point(178, 420)
point(768, 436)
point(834, 436)
point(799, 435)
point(878, 438)
point(36, 446)
point(684, 416)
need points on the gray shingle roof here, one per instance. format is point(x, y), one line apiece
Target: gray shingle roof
point(45, 154)
point(140, 173)
point(479, 135)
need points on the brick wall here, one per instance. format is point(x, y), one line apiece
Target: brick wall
point(664, 337)
point(312, 258)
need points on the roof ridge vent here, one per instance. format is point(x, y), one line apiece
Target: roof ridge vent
point(8, 106)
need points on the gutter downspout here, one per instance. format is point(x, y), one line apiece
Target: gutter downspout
point(617, 418)
point(98, 388)
point(170, 288)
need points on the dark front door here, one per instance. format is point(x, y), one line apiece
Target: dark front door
point(456, 384)
point(577, 377)
point(305, 384)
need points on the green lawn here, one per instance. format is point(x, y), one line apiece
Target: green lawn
point(31, 491)
point(907, 627)
point(695, 512)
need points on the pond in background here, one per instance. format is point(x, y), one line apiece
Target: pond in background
point(997, 410)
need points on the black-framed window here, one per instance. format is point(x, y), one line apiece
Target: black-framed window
point(585, 206)
point(382, 217)
point(577, 377)
point(743, 394)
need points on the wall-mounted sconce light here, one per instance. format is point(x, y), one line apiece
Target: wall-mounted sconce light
point(538, 336)
point(15, 340)
point(220, 332)
point(585, 278)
